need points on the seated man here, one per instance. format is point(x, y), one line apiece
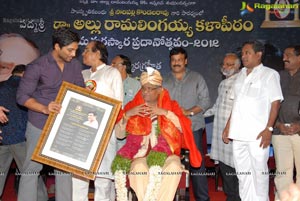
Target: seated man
point(156, 131)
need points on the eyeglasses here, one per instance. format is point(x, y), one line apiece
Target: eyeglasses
point(149, 89)
point(227, 64)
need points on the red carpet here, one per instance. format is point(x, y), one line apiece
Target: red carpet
point(10, 194)
point(220, 196)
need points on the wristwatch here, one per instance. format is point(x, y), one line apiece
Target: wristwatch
point(270, 128)
point(192, 113)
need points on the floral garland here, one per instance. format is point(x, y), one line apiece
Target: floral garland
point(120, 185)
point(155, 160)
point(154, 184)
point(120, 168)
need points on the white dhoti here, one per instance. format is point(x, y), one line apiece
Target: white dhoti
point(251, 166)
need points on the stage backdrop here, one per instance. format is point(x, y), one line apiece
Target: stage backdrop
point(146, 30)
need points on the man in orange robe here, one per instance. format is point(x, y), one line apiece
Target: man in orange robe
point(156, 132)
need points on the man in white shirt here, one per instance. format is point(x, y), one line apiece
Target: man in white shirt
point(257, 95)
point(107, 81)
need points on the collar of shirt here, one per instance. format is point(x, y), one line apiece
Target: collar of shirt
point(99, 67)
point(50, 57)
point(187, 71)
point(295, 75)
point(254, 70)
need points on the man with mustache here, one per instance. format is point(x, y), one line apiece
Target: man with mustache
point(286, 139)
point(189, 89)
point(257, 96)
point(221, 110)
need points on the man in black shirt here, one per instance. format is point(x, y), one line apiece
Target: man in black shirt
point(286, 139)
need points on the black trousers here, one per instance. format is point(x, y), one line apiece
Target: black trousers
point(198, 175)
point(230, 182)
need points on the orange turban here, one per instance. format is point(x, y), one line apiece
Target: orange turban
point(152, 76)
